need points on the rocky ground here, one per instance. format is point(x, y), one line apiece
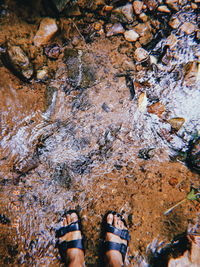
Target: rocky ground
point(99, 111)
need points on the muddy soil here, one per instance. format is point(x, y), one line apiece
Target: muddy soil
point(96, 147)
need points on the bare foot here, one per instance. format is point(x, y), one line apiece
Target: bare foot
point(74, 256)
point(114, 257)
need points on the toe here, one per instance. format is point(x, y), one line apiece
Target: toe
point(74, 217)
point(116, 221)
point(68, 218)
point(65, 222)
point(110, 218)
point(121, 224)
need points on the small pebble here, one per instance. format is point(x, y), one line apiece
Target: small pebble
point(107, 8)
point(131, 35)
point(176, 123)
point(164, 9)
point(137, 6)
point(143, 17)
point(174, 23)
point(116, 28)
point(52, 51)
point(42, 74)
point(141, 54)
point(97, 26)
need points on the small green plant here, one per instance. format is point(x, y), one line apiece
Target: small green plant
point(194, 194)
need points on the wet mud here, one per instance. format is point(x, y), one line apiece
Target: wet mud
point(99, 125)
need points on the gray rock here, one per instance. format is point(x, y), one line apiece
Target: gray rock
point(141, 54)
point(81, 68)
point(18, 62)
point(124, 13)
point(115, 29)
point(50, 90)
point(62, 175)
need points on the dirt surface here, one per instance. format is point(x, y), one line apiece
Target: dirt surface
point(92, 138)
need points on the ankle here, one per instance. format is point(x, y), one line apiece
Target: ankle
point(75, 257)
point(75, 262)
point(113, 259)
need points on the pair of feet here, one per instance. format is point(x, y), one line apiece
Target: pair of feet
point(116, 236)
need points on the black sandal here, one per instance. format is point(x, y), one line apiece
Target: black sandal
point(122, 233)
point(64, 245)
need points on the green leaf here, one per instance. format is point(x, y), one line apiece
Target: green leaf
point(193, 195)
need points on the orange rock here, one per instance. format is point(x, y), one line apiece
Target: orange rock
point(176, 123)
point(137, 6)
point(107, 8)
point(47, 29)
point(157, 109)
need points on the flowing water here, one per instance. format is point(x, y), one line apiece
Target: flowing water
point(81, 151)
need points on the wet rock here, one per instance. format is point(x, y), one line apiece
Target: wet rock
point(157, 109)
point(188, 27)
point(115, 29)
point(52, 51)
point(173, 4)
point(164, 9)
point(191, 73)
point(131, 35)
point(49, 93)
point(174, 23)
point(193, 158)
point(46, 31)
point(42, 74)
point(81, 68)
point(62, 175)
point(60, 4)
point(146, 153)
point(144, 30)
point(176, 123)
point(18, 62)
point(141, 54)
point(137, 6)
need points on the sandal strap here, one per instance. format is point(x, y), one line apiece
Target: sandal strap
point(122, 248)
point(71, 244)
point(122, 233)
point(66, 229)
